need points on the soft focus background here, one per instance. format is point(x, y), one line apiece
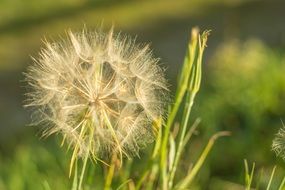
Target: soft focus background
point(243, 87)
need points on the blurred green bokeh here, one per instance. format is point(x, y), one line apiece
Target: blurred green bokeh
point(244, 93)
point(243, 88)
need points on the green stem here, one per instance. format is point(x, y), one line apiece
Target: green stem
point(110, 174)
point(74, 184)
point(82, 171)
point(181, 140)
point(182, 87)
point(271, 178)
point(282, 184)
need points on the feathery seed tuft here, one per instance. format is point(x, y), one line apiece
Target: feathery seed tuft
point(102, 92)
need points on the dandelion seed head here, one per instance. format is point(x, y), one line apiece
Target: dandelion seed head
point(278, 144)
point(101, 92)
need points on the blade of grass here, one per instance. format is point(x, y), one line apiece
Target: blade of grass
point(191, 132)
point(125, 173)
point(153, 160)
point(193, 88)
point(158, 139)
point(248, 176)
point(74, 184)
point(189, 178)
point(82, 171)
point(124, 183)
point(282, 184)
point(271, 178)
point(46, 185)
point(152, 177)
point(172, 151)
point(110, 174)
point(180, 93)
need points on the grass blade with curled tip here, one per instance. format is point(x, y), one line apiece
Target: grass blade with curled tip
point(180, 93)
point(192, 89)
point(183, 184)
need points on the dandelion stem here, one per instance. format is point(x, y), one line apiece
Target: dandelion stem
point(74, 184)
point(82, 171)
point(110, 174)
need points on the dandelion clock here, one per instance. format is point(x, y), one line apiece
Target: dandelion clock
point(101, 92)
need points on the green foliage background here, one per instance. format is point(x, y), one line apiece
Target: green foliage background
point(243, 85)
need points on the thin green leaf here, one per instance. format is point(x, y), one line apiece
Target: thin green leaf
point(189, 178)
point(282, 184)
point(271, 178)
